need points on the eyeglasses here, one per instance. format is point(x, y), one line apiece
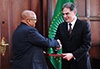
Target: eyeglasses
point(32, 19)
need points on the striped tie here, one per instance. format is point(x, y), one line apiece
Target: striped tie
point(70, 29)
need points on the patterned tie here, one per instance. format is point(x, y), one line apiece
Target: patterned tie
point(70, 29)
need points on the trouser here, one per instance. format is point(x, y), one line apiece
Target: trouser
point(65, 64)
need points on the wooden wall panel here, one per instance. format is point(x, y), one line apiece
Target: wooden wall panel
point(95, 7)
point(37, 7)
point(81, 7)
point(17, 6)
point(95, 57)
point(94, 51)
point(54, 4)
point(45, 18)
point(4, 30)
point(95, 26)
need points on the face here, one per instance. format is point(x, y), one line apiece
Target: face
point(32, 21)
point(68, 15)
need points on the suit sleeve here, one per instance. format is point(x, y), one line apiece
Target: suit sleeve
point(86, 43)
point(38, 40)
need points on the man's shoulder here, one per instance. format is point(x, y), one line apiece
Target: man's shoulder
point(32, 28)
point(24, 27)
point(63, 23)
point(81, 22)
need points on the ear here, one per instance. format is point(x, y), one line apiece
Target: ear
point(28, 21)
point(75, 12)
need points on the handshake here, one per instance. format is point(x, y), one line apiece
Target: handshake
point(67, 56)
point(58, 48)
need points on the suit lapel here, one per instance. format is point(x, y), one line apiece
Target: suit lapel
point(76, 26)
point(65, 29)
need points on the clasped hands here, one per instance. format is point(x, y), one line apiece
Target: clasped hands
point(68, 56)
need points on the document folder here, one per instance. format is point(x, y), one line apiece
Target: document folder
point(56, 55)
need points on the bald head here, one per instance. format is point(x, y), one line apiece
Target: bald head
point(29, 18)
point(27, 14)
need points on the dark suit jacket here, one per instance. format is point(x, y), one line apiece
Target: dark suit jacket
point(78, 43)
point(28, 48)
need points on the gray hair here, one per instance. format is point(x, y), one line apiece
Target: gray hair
point(69, 5)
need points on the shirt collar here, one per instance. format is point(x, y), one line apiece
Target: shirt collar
point(73, 22)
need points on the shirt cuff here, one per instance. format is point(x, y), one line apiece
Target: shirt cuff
point(74, 58)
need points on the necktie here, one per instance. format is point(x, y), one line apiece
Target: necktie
point(70, 29)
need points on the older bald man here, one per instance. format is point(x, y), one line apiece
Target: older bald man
point(28, 44)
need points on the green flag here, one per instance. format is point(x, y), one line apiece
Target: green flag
point(56, 20)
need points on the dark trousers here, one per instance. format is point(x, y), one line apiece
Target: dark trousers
point(65, 64)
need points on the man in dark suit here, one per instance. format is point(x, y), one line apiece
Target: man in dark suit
point(28, 44)
point(75, 40)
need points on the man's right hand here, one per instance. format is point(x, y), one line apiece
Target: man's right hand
point(58, 48)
